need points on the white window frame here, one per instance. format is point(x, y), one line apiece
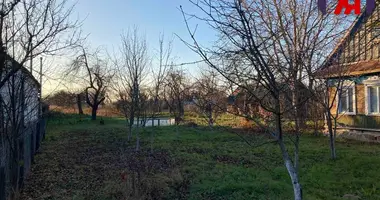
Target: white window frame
point(373, 81)
point(368, 100)
point(346, 85)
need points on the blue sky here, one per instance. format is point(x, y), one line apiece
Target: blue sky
point(106, 20)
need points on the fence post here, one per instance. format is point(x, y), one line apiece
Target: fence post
point(152, 122)
point(158, 121)
point(21, 155)
point(38, 134)
point(2, 183)
point(32, 144)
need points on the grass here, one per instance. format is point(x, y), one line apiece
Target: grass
point(81, 159)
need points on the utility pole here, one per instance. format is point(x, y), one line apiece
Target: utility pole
point(40, 75)
point(40, 110)
point(31, 60)
point(41, 124)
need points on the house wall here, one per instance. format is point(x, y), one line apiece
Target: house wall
point(362, 44)
point(360, 119)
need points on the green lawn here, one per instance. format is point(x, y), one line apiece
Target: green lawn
point(81, 159)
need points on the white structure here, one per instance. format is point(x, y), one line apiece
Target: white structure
point(20, 93)
point(21, 127)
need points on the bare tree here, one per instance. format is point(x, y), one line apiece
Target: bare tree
point(96, 74)
point(209, 97)
point(175, 93)
point(79, 103)
point(132, 69)
point(61, 98)
point(265, 48)
point(160, 73)
point(30, 28)
point(327, 97)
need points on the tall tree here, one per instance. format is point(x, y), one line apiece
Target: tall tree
point(175, 93)
point(265, 48)
point(79, 103)
point(209, 96)
point(61, 98)
point(160, 72)
point(96, 74)
point(132, 68)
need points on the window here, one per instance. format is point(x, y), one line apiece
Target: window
point(347, 100)
point(373, 103)
point(376, 33)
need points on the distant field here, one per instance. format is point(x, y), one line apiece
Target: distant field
point(81, 159)
point(104, 111)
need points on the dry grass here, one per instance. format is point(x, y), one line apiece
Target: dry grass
point(85, 163)
point(104, 111)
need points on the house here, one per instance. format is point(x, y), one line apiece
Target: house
point(24, 89)
point(21, 125)
point(352, 72)
point(250, 101)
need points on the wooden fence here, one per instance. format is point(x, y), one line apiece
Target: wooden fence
point(16, 165)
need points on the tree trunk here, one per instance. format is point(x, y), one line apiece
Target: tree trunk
point(131, 122)
point(297, 189)
point(331, 134)
point(129, 132)
point(93, 112)
point(181, 110)
point(292, 171)
point(137, 140)
point(151, 140)
point(210, 122)
point(137, 135)
point(79, 104)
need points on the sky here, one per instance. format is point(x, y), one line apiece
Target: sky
point(105, 20)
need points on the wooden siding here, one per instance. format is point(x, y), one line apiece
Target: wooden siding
point(362, 44)
point(360, 119)
point(359, 98)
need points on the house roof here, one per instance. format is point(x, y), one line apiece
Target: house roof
point(352, 69)
point(351, 31)
point(331, 66)
point(24, 70)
